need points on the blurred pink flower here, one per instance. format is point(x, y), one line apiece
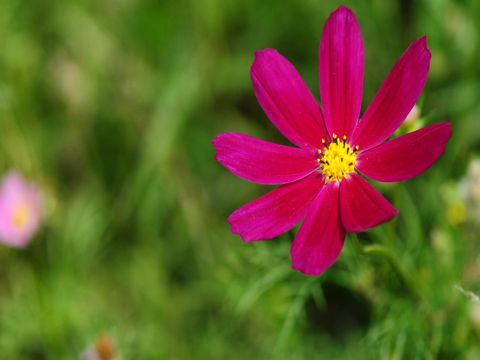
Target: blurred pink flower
point(320, 178)
point(104, 349)
point(20, 210)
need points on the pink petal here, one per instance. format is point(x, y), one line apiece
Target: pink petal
point(341, 71)
point(406, 156)
point(263, 162)
point(16, 193)
point(396, 97)
point(320, 238)
point(276, 212)
point(286, 99)
point(363, 207)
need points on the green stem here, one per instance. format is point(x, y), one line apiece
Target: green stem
point(383, 251)
point(291, 235)
point(292, 316)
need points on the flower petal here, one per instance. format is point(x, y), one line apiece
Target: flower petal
point(396, 97)
point(19, 201)
point(276, 212)
point(361, 206)
point(261, 161)
point(341, 71)
point(286, 100)
point(406, 156)
point(320, 238)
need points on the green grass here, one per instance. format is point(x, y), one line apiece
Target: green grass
point(111, 107)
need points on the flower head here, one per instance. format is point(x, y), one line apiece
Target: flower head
point(104, 349)
point(321, 178)
point(20, 210)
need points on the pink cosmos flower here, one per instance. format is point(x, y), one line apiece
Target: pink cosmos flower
point(320, 179)
point(20, 210)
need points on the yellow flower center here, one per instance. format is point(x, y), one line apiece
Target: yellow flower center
point(337, 159)
point(20, 216)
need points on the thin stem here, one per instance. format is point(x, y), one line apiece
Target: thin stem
point(293, 314)
point(356, 241)
point(382, 250)
point(291, 235)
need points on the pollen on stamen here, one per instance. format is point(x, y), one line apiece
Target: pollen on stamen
point(20, 216)
point(337, 160)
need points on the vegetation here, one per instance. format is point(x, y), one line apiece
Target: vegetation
point(111, 107)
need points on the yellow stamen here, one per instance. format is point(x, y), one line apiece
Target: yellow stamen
point(337, 160)
point(20, 216)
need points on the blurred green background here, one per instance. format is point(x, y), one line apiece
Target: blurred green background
point(111, 106)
